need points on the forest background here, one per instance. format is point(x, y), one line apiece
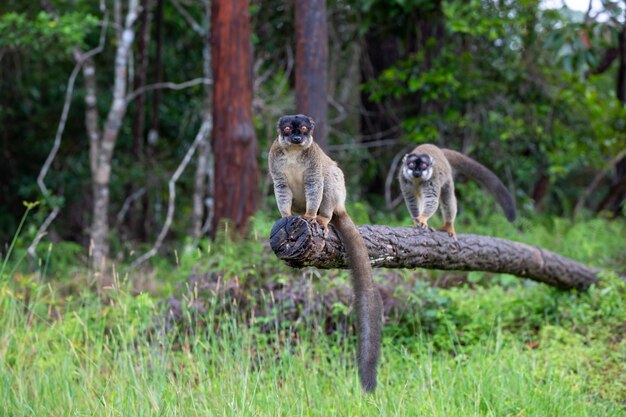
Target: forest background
point(133, 145)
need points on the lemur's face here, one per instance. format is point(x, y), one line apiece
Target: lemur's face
point(418, 165)
point(296, 130)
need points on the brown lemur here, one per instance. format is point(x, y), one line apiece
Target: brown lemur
point(307, 182)
point(426, 180)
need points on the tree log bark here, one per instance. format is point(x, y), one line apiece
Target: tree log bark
point(301, 243)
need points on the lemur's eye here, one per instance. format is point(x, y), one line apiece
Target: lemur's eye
point(287, 129)
point(304, 129)
point(411, 165)
point(423, 165)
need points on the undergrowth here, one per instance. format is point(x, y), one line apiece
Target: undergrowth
point(224, 328)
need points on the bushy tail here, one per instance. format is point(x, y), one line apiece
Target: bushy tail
point(467, 166)
point(367, 300)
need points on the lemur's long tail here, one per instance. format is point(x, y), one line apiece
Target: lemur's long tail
point(467, 166)
point(367, 300)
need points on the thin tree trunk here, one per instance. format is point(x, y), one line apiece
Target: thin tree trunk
point(621, 71)
point(200, 188)
point(203, 169)
point(141, 77)
point(92, 123)
point(234, 140)
point(84, 61)
point(92, 126)
point(540, 188)
point(153, 133)
point(102, 171)
point(301, 243)
point(139, 111)
point(617, 193)
point(312, 65)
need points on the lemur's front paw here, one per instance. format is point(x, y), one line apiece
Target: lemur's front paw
point(309, 217)
point(323, 221)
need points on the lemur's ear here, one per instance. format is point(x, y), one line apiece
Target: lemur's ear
point(432, 161)
point(282, 121)
point(312, 122)
point(405, 157)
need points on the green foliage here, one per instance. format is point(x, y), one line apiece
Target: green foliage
point(500, 83)
point(44, 32)
point(472, 18)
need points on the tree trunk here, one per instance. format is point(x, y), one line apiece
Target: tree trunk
point(140, 80)
point(301, 243)
point(234, 140)
point(91, 114)
point(541, 188)
point(102, 170)
point(153, 133)
point(139, 113)
point(312, 65)
point(200, 188)
point(616, 192)
point(158, 75)
point(621, 71)
point(204, 167)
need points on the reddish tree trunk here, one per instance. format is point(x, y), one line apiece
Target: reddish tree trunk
point(234, 140)
point(312, 65)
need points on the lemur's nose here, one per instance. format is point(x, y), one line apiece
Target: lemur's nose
point(296, 139)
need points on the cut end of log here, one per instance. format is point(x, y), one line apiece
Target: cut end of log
point(298, 241)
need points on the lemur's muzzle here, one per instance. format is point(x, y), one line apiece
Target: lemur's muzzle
point(296, 139)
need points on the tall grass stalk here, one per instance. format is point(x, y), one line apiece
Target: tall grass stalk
point(29, 207)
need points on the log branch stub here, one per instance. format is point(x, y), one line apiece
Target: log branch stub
point(301, 243)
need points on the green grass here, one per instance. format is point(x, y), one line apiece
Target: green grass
point(88, 363)
point(496, 346)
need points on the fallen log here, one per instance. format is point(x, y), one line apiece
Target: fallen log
point(301, 243)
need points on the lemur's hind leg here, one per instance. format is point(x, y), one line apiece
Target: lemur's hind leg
point(448, 209)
